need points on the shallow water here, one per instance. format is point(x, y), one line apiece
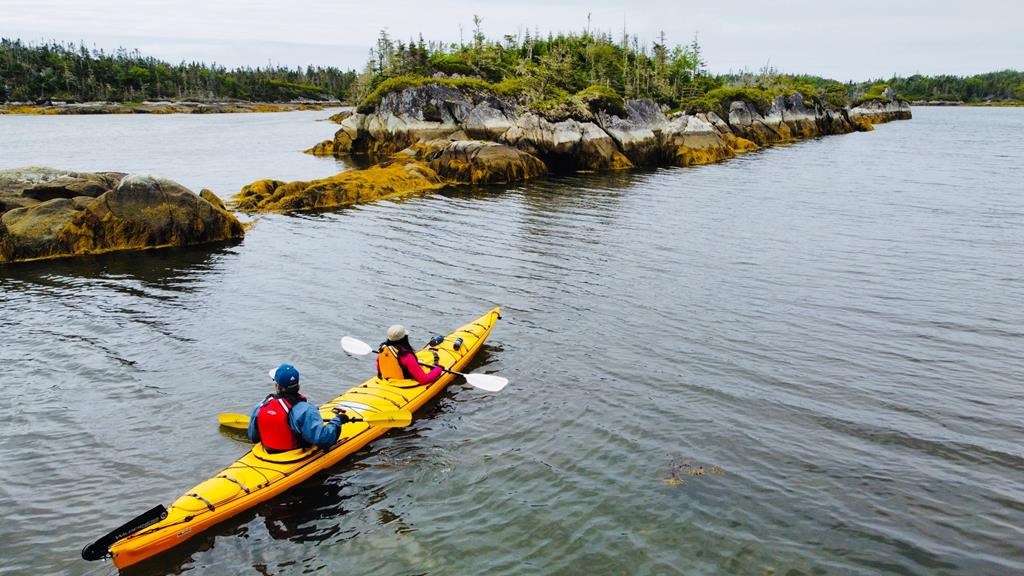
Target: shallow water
point(832, 330)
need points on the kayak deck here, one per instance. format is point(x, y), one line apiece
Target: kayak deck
point(258, 475)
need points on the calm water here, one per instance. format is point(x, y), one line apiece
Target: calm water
point(836, 326)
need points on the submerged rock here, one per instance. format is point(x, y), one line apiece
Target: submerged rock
point(50, 213)
point(390, 179)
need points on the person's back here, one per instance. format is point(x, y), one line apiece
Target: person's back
point(396, 359)
point(286, 421)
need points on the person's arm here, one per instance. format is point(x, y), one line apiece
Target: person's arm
point(412, 366)
point(307, 420)
point(254, 432)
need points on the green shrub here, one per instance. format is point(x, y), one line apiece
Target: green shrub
point(875, 92)
point(450, 64)
point(514, 88)
point(602, 98)
point(719, 99)
point(399, 83)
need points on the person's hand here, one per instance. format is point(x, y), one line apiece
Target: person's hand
point(340, 414)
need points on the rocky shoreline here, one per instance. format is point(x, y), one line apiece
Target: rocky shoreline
point(422, 138)
point(161, 107)
point(461, 137)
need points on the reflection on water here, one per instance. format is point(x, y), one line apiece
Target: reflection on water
point(834, 325)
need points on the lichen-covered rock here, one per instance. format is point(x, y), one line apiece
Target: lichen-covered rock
point(693, 140)
point(386, 180)
point(423, 113)
point(567, 145)
point(325, 148)
point(879, 111)
point(340, 117)
point(476, 162)
point(748, 123)
point(801, 120)
point(78, 217)
point(637, 135)
point(33, 184)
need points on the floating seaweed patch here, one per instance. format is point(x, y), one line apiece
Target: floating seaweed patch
point(679, 469)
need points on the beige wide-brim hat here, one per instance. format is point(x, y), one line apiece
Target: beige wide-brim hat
point(396, 333)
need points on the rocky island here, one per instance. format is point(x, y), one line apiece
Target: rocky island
point(50, 213)
point(436, 134)
point(436, 114)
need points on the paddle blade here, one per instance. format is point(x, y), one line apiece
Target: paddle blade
point(486, 382)
point(355, 346)
point(236, 421)
point(394, 419)
point(101, 548)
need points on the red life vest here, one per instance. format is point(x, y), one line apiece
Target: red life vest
point(272, 422)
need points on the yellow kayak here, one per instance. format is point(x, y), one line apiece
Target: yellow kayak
point(258, 475)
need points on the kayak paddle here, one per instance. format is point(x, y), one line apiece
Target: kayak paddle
point(487, 382)
point(394, 419)
point(101, 548)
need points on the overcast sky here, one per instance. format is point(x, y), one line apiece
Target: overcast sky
point(859, 40)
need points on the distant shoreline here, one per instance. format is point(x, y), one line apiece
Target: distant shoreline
point(162, 107)
point(1008, 104)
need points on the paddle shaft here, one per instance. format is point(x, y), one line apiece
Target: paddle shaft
point(241, 421)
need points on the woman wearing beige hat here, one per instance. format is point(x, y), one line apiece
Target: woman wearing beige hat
point(396, 359)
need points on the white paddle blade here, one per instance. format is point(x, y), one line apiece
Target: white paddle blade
point(487, 382)
point(355, 346)
point(272, 372)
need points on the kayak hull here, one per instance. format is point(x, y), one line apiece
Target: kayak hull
point(259, 476)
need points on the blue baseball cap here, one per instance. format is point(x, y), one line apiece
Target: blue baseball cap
point(286, 376)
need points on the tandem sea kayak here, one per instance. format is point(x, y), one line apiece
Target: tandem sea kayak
point(259, 475)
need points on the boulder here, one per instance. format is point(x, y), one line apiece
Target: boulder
point(567, 145)
point(135, 212)
point(29, 185)
point(476, 162)
point(325, 148)
point(390, 179)
point(880, 111)
point(638, 134)
point(423, 113)
point(748, 123)
point(801, 120)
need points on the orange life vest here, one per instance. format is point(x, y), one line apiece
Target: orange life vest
point(388, 366)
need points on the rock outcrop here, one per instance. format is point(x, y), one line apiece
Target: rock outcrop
point(396, 178)
point(434, 135)
point(478, 162)
point(423, 113)
point(643, 136)
point(426, 165)
point(50, 213)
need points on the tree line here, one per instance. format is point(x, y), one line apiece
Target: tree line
point(1006, 85)
point(548, 72)
point(66, 72)
point(540, 67)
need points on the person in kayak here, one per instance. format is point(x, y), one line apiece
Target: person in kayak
point(396, 360)
point(286, 421)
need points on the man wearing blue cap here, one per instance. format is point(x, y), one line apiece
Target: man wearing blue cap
point(286, 421)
